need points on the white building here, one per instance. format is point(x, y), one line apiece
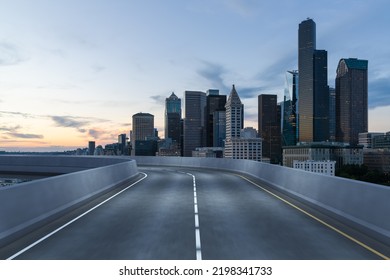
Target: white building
point(323, 167)
point(246, 148)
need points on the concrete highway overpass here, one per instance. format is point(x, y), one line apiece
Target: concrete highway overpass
point(187, 208)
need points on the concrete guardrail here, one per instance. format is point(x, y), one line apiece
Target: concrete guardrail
point(26, 206)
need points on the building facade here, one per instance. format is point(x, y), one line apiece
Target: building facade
point(351, 100)
point(377, 159)
point(321, 97)
point(234, 121)
point(339, 152)
point(381, 141)
point(143, 128)
point(322, 167)
point(332, 114)
point(194, 126)
point(269, 127)
point(173, 118)
point(313, 86)
point(366, 139)
point(214, 106)
point(306, 47)
point(219, 126)
point(289, 110)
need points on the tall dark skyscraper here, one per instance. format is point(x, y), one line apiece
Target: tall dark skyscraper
point(321, 97)
point(313, 92)
point(332, 114)
point(269, 127)
point(173, 118)
point(215, 103)
point(306, 47)
point(351, 100)
point(194, 126)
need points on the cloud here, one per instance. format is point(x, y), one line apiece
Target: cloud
point(24, 115)
point(81, 124)
point(98, 68)
point(25, 135)
point(10, 129)
point(244, 8)
point(73, 122)
point(249, 92)
point(10, 54)
point(14, 132)
point(160, 99)
point(66, 121)
point(96, 133)
point(378, 92)
point(213, 73)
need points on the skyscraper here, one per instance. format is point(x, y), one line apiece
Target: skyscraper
point(143, 127)
point(219, 127)
point(193, 128)
point(215, 103)
point(173, 118)
point(306, 47)
point(351, 100)
point(321, 97)
point(332, 114)
point(269, 127)
point(313, 86)
point(234, 121)
point(289, 110)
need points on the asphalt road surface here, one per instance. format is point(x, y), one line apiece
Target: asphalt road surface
point(176, 214)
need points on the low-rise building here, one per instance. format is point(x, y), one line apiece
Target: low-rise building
point(377, 159)
point(341, 153)
point(323, 167)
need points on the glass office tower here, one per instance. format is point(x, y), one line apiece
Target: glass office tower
point(351, 100)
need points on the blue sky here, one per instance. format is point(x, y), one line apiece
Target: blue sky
point(74, 71)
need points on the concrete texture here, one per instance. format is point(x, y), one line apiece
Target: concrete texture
point(26, 206)
point(360, 205)
point(154, 220)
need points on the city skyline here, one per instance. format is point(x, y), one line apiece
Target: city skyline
point(76, 72)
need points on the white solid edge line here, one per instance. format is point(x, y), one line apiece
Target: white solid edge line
point(75, 219)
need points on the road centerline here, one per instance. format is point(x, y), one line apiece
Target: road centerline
point(196, 214)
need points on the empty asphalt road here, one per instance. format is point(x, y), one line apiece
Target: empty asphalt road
point(176, 213)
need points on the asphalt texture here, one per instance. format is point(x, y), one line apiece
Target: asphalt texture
point(155, 220)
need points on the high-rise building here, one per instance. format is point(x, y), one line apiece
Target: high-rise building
point(306, 47)
point(143, 128)
point(321, 97)
point(289, 110)
point(269, 127)
point(234, 121)
point(173, 118)
point(215, 103)
point(234, 115)
point(194, 126)
point(313, 89)
point(332, 114)
point(351, 100)
point(219, 126)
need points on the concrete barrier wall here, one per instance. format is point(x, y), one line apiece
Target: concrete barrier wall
point(53, 164)
point(26, 206)
point(361, 205)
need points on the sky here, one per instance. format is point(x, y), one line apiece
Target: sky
point(76, 71)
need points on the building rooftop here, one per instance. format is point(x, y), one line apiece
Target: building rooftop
point(233, 98)
point(354, 63)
